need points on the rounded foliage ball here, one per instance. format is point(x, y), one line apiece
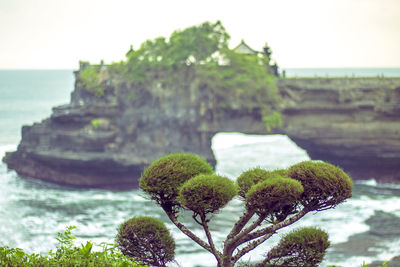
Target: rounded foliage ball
point(249, 178)
point(147, 239)
point(325, 185)
point(275, 196)
point(302, 247)
point(281, 172)
point(207, 193)
point(165, 175)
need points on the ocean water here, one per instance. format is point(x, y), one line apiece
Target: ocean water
point(364, 228)
point(27, 96)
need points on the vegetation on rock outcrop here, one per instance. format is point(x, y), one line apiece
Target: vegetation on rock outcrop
point(236, 79)
point(89, 79)
point(199, 56)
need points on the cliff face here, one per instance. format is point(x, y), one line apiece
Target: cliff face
point(353, 123)
point(106, 141)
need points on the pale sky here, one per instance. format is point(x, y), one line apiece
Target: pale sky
point(56, 34)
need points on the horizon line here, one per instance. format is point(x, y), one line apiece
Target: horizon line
point(285, 68)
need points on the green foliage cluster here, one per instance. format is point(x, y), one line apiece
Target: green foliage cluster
point(98, 122)
point(384, 264)
point(276, 196)
point(68, 255)
point(272, 200)
point(163, 178)
point(244, 81)
point(301, 248)
point(89, 79)
point(325, 185)
point(195, 45)
point(206, 193)
point(251, 177)
point(272, 120)
point(235, 80)
point(146, 239)
point(117, 67)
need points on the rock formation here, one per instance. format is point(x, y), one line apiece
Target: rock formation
point(107, 141)
point(350, 122)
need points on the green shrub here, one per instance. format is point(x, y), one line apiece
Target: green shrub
point(249, 178)
point(253, 176)
point(276, 196)
point(117, 67)
point(95, 123)
point(146, 239)
point(281, 172)
point(325, 185)
point(68, 255)
point(163, 178)
point(304, 247)
point(206, 193)
point(98, 122)
point(272, 120)
point(89, 79)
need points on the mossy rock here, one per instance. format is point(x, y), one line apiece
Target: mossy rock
point(163, 178)
point(146, 239)
point(207, 193)
point(325, 185)
point(302, 247)
point(276, 196)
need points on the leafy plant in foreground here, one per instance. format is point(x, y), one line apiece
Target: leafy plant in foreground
point(67, 255)
point(272, 201)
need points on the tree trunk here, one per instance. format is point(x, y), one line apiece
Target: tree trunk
point(227, 260)
point(226, 263)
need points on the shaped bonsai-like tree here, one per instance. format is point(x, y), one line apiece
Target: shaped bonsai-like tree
point(273, 200)
point(146, 239)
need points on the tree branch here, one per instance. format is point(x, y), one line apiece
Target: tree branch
point(253, 226)
point(187, 232)
point(229, 245)
point(194, 216)
point(217, 254)
point(273, 228)
point(251, 246)
point(243, 220)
